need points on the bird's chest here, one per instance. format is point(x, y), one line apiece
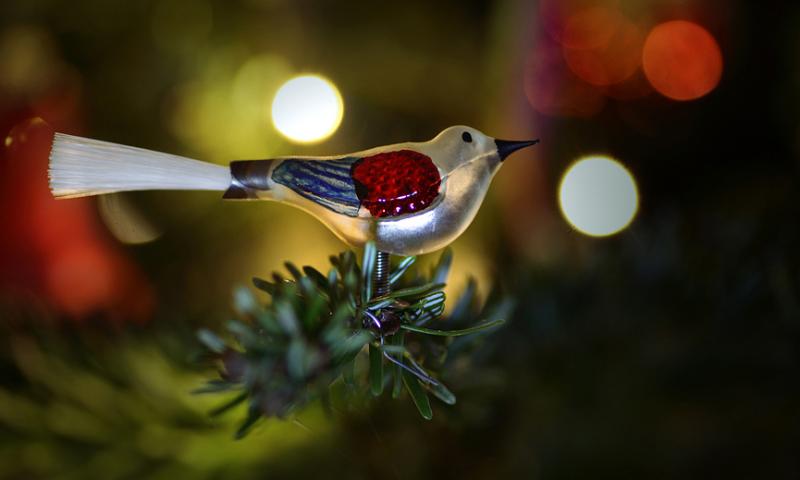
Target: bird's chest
point(387, 184)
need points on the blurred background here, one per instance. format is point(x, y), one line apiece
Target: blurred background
point(649, 241)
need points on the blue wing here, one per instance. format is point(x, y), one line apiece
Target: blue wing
point(327, 182)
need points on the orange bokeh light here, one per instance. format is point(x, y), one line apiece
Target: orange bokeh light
point(681, 60)
point(613, 55)
point(591, 27)
point(555, 15)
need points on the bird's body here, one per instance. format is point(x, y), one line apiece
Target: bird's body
point(409, 198)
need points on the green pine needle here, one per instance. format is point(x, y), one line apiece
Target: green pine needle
point(294, 348)
point(454, 333)
point(418, 395)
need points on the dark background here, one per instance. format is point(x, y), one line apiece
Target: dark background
point(669, 350)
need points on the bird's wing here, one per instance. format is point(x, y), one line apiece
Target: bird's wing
point(326, 182)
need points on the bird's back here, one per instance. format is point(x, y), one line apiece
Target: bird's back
point(386, 184)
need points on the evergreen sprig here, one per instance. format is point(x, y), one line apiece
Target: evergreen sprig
point(307, 338)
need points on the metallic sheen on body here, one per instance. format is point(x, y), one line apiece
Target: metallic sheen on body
point(466, 171)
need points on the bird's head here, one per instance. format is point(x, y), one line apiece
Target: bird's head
point(461, 145)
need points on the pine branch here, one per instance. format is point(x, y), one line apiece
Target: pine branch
point(290, 351)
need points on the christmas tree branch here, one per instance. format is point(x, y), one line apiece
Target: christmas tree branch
point(293, 349)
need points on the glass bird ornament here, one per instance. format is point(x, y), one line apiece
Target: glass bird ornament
point(409, 198)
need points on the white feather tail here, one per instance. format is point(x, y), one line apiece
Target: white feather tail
point(82, 166)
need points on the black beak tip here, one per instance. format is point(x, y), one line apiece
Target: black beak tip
point(507, 147)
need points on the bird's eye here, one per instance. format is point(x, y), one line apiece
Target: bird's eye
point(466, 137)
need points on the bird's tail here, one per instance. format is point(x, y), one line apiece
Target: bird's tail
point(82, 166)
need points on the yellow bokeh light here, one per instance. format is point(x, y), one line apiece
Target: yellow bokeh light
point(598, 196)
point(307, 109)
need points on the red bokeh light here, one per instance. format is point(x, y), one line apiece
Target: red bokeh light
point(554, 15)
point(682, 60)
point(591, 27)
point(601, 46)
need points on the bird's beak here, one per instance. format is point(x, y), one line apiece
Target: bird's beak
point(507, 147)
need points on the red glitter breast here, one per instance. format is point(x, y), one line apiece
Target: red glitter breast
point(395, 183)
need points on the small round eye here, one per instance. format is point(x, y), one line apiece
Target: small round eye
point(466, 137)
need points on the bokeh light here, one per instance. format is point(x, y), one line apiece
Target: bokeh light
point(126, 222)
point(682, 60)
point(555, 15)
point(307, 109)
point(31, 64)
point(221, 112)
point(591, 27)
point(602, 47)
point(598, 196)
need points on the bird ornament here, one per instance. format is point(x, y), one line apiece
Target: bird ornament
point(409, 198)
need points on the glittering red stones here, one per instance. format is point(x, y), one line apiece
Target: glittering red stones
point(396, 183)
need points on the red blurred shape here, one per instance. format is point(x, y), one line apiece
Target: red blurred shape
point(79, 277)
point(682, 60)
point(57, 250)
point(601, 46)
point(555, 15)
point(591, 27)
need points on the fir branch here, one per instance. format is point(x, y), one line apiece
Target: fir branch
point(293, 349)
